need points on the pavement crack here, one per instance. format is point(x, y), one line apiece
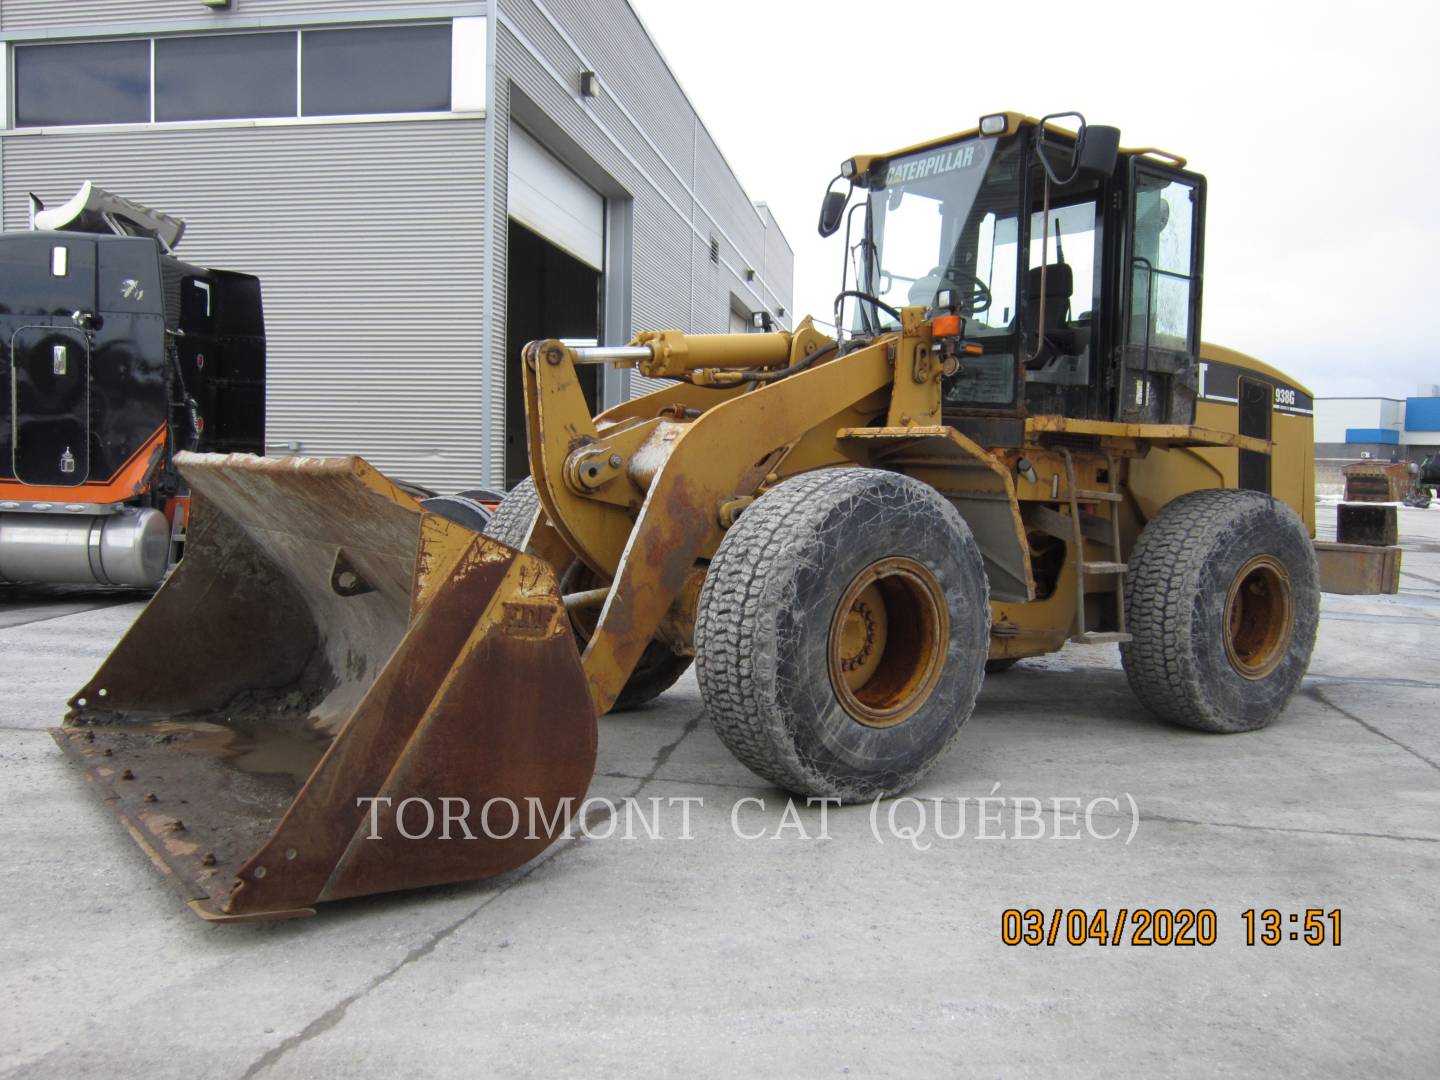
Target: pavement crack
point(1347, 834)
point(662, 756)
point(688, 780)
point(332, 1016)
point(1319, 695)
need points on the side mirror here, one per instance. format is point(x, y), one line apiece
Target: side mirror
point(832, 210)
point(762, 322)
point(1098, 148)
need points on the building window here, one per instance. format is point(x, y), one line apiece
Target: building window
point(88, 83)
point(341, 72)
point(390, 70)
point(225, 77)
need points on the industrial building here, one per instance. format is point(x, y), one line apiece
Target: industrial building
point(1349, 429)
point(420, 186)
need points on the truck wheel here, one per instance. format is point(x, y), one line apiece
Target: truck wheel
point(842, 633)
point(659, 666)
point(1223, 598)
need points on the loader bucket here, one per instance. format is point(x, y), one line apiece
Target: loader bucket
point(335, 694)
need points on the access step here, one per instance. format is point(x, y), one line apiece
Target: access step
point(1085, 495)
point(1104, 567)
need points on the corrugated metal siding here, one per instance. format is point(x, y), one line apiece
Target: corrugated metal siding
point(368, 240)
point(779, 277)
point(674, 283)
point(496, 361)
point(38, 14)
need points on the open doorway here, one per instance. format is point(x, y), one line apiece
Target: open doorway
point(550, 294)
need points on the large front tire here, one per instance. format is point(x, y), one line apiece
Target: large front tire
point(1222, 599)
point(842, 633)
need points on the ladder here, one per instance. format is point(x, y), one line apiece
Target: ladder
point(1112, 568)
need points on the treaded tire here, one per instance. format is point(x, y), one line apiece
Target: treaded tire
point(659, 667)
point(510, 524)
point(763, 629)
point(1181, 573)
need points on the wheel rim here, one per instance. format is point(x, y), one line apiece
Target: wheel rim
point(888, 640)
point(1259, 615)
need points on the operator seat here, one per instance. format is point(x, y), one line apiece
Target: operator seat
point(1059, 337)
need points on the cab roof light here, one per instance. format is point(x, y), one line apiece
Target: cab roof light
point(994, 124)
point(847, 169)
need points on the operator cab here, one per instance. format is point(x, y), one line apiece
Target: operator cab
point(1075, 268)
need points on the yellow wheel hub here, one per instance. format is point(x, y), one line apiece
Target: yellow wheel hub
point(1259, 617)
point(888, 640)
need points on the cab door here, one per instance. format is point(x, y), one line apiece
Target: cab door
point(50, 405)
point(1161, 323)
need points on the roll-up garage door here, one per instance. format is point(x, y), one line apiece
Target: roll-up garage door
point(547, 198)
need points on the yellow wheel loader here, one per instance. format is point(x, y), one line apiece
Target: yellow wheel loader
point(1016, 441)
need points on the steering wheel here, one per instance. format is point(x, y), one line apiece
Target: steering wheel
point(925, 288)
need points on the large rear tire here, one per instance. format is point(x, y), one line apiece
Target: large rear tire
point(659, 667)
point(1222, 599)
point(842, 633)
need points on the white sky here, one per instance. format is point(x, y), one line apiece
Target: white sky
point(1317, 125)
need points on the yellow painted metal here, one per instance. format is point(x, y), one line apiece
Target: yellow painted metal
point(1156, 478)
point(728, 452)
point(1013, 122)
point(693, 456)
point(915, 394)
point(1160, 435)
point(1259, 616)
point(607, 468)
point(674, 353)
point(978, 481)
point(673, 402)
point(558, 422)
point(887, 642)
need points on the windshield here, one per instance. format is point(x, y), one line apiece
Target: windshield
point(929, 221)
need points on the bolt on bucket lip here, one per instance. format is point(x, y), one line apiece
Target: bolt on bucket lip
point(160, 778)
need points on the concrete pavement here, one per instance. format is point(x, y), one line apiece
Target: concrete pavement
point(861, 954)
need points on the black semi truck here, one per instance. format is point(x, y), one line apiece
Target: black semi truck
point(116, 355)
